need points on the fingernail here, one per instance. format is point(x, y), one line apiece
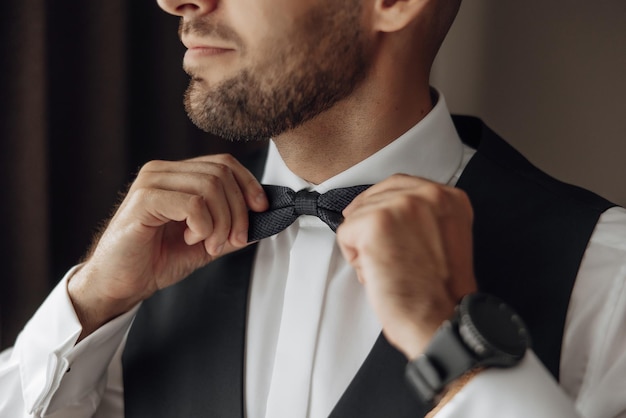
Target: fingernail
point(261, 198)
point(218, 250)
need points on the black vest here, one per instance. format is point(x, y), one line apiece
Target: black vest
point(185, 351)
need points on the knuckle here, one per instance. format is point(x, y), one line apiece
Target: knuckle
point(408, 204)
point(142, 194)
point(197, 204)
point(222, 170)
point(400, 176)
point(226, 159)
point(140, 198)
point(211, 183)
point(436, 194)
point(151, 166)
point(462, 197)
point(461, 202)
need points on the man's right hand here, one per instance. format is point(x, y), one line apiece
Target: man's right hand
point(176, 217)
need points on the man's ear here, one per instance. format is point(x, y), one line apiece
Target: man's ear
point(394, 15)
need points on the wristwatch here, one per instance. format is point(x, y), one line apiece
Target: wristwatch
point(483, 332)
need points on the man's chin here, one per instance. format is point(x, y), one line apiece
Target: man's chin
point(216, 123)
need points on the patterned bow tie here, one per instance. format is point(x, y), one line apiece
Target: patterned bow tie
point(286, 205)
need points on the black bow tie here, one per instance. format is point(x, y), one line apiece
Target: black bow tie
point(286, 205)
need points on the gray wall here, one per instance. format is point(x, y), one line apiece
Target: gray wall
point(549, 76)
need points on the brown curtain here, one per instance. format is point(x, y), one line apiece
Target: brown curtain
point(89, 91)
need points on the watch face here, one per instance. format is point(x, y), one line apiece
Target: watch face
point(492, 329)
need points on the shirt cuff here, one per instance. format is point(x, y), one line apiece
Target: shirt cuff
point(53, 368)
point(527, 390)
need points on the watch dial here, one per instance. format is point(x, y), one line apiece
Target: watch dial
point(501, 328)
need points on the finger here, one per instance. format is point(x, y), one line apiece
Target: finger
point(210, 186)
point(242, 191)
point(219, 208)
point(157, 207)
point(440, 198)
point(253, 192)
point(217, 183)
point(456, 230)
point(398, 233)
point(452, 215)
point(235, 227)
point(398, 227)
point(397, 182)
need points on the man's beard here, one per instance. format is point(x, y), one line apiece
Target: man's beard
point(299, 76)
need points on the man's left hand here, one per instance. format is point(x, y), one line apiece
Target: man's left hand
point(410, 241)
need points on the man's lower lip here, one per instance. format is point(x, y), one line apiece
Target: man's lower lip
point(206, 52)
point(198, 55)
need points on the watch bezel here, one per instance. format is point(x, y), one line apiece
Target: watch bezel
point(488, 352)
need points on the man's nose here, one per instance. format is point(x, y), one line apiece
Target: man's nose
point(188, 8)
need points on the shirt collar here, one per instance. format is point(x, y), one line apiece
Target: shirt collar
point(431, 149)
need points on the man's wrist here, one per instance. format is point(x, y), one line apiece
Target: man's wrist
point(91, 309)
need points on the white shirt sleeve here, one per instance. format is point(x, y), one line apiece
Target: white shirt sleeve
point(47, 374)
point(528, 390)
point(593, 360)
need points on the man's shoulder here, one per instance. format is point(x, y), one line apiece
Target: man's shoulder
point(496, 157)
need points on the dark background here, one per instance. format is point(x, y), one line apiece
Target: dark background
point(89, 91)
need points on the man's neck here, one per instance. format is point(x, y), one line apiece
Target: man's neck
point(352, 130)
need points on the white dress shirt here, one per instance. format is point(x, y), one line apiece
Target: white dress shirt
point(310, 326)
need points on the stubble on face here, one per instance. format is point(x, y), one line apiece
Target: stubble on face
point(295, 77)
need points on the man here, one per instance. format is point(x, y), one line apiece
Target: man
point(342, 89)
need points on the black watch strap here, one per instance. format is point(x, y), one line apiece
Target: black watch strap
point(445, 359)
